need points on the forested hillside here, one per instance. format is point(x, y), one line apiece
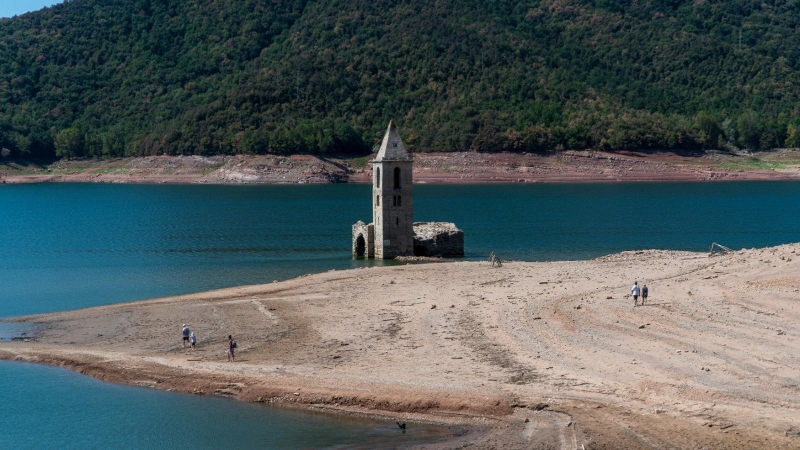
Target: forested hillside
point(142, 77)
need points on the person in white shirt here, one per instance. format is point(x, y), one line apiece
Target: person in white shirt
point(635, 292)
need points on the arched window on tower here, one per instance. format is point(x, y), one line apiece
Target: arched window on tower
point(378, 177)
point(397, 178)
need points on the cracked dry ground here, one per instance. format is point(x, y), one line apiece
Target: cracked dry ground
point(710, 362)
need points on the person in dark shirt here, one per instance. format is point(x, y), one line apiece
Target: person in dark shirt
point(185, 331)
point(231, 349)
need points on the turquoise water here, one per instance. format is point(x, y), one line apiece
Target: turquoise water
point(48, 407)
point(67, 246)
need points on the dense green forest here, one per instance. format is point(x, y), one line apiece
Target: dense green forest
point(144, 77)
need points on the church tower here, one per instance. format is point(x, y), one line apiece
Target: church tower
point(392, 202)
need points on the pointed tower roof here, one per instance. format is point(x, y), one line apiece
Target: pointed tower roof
point(392, 148)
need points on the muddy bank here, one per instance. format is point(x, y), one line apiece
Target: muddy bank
point(571, 166)
point(530, 355)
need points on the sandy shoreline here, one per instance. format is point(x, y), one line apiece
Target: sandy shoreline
point(450, 168)
point(711, 362)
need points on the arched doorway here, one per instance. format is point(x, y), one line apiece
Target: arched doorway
point(361, 245)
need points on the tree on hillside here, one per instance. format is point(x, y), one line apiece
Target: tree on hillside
point(709, 129)
point(69, 143)
point(748, 130)
point(792, 136)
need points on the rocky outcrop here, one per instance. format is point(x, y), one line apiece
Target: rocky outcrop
point(438, 239)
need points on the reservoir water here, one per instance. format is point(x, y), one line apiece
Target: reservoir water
point(47, 407)
point(68, 246)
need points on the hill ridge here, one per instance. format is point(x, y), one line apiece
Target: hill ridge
point(151, 77)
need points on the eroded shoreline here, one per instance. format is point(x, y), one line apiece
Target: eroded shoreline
point(710, 362)
point(440, 168)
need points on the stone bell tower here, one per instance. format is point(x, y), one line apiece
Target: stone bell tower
point(392, 201)
point(393, 232)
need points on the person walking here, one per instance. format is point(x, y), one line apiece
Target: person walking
point(644, 294)
point(192, 341)
point(635, 292)
point(185, 335)
point(231, 349)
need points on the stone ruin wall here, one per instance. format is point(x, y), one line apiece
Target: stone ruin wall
point(368, 231)
point(438, 239)
point(430, 239)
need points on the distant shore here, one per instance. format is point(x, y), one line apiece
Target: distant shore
point(528, 355)
point(565, 167)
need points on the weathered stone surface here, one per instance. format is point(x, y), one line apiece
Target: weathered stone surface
point(438, 238)
point(365, 246)
point(393, 233)
point(393, 199)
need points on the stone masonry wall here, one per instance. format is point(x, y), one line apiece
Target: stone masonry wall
point(438, 239)
point(368, 232)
